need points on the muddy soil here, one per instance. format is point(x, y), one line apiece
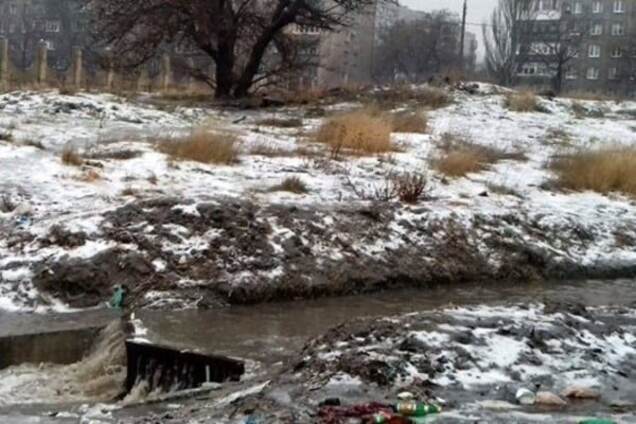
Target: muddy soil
point(239, 252)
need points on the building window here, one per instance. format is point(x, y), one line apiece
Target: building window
point(578, 7)
point(592, 73)
point(619, 6)
point(571, 74)
point(533, 69)
point(541, 49)
point(613, 73)
point(13, 9)
point(594, 50)
point(617, 52)
point(618, 29)
point(597, 7)
point(597, 29)
point(53, 26)
point(548, 5)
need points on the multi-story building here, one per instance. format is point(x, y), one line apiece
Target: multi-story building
point(27, 23)
point(591, 42)
point(349, 56)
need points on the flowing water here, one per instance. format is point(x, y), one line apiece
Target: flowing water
point(271, 332)
point(264, 335)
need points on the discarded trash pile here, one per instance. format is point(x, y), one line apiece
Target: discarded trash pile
point(405, 411)
point(494, 362)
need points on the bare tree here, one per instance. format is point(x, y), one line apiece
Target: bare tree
point(504, 34)
point(419, 49)
point(238, 35)
point(559, 47)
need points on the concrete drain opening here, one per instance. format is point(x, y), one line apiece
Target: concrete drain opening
point(97, 363)
point(166, 369)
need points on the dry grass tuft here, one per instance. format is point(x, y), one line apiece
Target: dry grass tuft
point(71, 157)
point(523, 101)
point(124, 154)
point(67, 90)
point(6, 136)
point(33, 143)
point(129, 192)
point(270, 150)
point(358, 132)
point(461, 157)
point(291, 184)
point(425, 97)
point(410, 122)
point(461, 162)
point(203, 146)
point(586, 95)
point(604, 171)
point(7, 204)
point(282, 122)
point(89, 176)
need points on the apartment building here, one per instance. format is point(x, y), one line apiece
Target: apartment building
point(349, 56)
point(602, 55)
point(27, 23)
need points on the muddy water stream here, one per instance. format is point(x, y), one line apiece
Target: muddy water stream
point(270, 333)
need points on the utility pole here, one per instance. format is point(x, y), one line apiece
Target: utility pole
point(463, 36)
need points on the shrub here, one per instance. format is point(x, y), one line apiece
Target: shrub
point(71, 157)
point(604, 171)
point(409, 122)
point(410, 187)
point(523, 101)
point(291, 184)
point(359, 132)
point(461, 157)
point(203, 146)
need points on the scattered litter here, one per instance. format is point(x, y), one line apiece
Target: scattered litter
point(580, 392)
point(117, 301)
point(549, 399)
point(525, 397)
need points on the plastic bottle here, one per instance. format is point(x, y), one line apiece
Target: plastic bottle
point(416, 409)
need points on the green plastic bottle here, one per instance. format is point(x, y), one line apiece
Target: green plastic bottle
point(117, 301)
point(597, 421)
point(416, 409)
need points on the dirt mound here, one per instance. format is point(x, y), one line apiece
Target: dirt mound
point(178, 253)
point(82, 282)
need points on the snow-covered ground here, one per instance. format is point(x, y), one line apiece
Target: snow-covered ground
point(588, 229)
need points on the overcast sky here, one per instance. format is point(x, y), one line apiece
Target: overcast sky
point(478, 11)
